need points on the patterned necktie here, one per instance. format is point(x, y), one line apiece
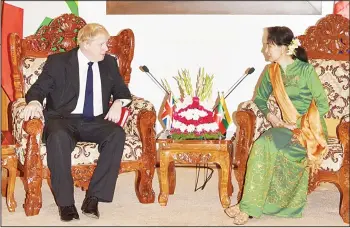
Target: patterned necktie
point(88, 112)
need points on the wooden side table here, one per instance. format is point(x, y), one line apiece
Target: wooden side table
point(9, 162)
point(194, 152)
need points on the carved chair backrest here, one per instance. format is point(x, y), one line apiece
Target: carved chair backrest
point(327, 47)
point(28, 55)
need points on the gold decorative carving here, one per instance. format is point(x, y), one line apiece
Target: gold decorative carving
point(194, 158)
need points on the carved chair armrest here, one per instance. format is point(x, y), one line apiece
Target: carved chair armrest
point(137, 106)
point(27, 135)
point(146, 126)
point(261, 124)
point(21, 128)
point(245, 121)
point(251, 123)
point(343, 130)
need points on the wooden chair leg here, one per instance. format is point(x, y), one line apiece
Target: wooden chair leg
point(240, 174)
point(4, 180)
point(143, 187)
point(10, 198)
point(344, 193)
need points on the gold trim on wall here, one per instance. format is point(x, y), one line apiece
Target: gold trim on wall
point(120, 7)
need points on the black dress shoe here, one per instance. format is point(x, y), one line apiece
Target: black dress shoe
point(68, 213)
point(90, 207)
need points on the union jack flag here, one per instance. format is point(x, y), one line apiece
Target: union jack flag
point(169, 108)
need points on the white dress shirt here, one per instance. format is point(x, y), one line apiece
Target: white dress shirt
point(97, 96)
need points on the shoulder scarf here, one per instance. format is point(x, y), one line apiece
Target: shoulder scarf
point(310, 134)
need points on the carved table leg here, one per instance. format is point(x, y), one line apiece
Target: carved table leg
point(230, 185)
point(172, 177)
point(164, 181)
point(224, 163)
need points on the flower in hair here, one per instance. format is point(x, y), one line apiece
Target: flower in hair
point(292, 46)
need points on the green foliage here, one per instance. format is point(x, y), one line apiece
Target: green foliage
point(204, 84)
point(184, 81)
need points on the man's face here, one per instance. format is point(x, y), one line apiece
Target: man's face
point(96, 48)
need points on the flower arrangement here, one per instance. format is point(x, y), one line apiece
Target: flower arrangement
point(193, 117)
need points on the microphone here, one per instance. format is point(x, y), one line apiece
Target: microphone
point(146, 70)
point(247, 72)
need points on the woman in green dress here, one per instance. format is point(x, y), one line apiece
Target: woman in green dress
point(283, 157)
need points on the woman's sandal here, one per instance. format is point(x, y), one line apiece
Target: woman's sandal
point(232, 211)
point(241, 218)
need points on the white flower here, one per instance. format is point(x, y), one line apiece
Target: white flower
point(292, 46)
point(193, 114)
point(191, 128)
point(183, 127)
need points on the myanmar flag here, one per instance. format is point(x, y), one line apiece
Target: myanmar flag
point(222, 116)
point(11, 21)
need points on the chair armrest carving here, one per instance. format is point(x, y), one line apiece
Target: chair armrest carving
point(245, 120)
point(146, 126)
point(21, 128)
point(261, 124)
point(33, 166)
point(136, 107)
point(343, 130)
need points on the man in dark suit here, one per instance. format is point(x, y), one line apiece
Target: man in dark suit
point(77, 86)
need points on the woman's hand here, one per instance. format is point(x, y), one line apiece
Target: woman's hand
point(274, 120)
point(277, 122)
point(290, 126)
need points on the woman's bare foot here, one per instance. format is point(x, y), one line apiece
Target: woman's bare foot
point(232, 211)
point(241, 218)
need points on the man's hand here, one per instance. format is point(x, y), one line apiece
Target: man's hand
point(114, 112)
point(274, 120)
point(33, 109)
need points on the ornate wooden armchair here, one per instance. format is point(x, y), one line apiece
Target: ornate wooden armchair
point(28, 56)
point(327, 46)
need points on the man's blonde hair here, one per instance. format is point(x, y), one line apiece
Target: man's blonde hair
point(90, 31)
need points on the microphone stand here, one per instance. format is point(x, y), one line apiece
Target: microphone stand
point(235, 85)
point(232, 88)
point(166, 133)
point(145, 69)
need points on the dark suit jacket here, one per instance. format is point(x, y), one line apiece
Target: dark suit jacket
point(59, 84)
